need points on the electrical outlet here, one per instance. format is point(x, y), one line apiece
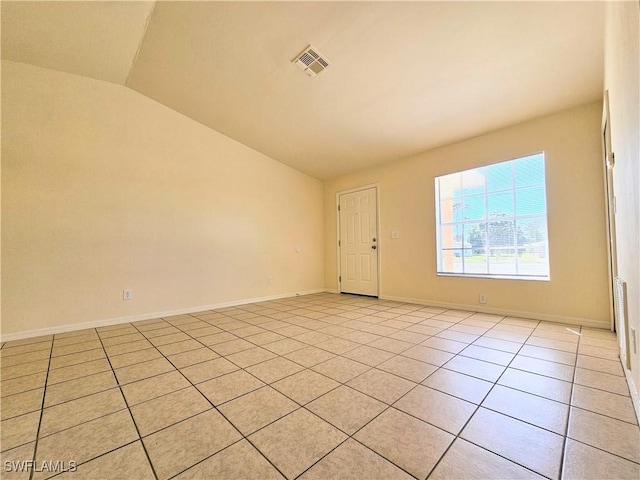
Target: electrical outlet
point(127, 294)
point(482, 298)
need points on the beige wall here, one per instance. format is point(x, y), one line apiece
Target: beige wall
point(577, 291)
point(105, 189)
point(622, 80)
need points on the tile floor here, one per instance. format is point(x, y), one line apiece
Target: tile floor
point(317, 387)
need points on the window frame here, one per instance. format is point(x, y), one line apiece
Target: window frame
point(513, 189)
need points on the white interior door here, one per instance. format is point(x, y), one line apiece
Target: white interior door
point(358, 244)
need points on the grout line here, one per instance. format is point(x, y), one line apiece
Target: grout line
point(124, 398)
point(44, 396)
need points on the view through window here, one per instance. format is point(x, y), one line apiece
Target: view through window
point(491, 221)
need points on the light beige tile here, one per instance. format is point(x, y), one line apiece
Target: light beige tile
point(75, 348)
point(124, 463)
point(582, 462)
point(24, 369)
point(81, 410)
point(238, 461)
point(17, 431)
point(168, 339)
point(437, 408)
point(410, 337)
point(458, 336)
point(600, 352)
point(227, 387)
point(218, 338)
point(252, 356)
point(382, 386)
point(79, 387)
point(207, 370)
point(116, 340)
point(153, 387)
point(428, 355)
point(602, 381)
point(257, 409)
point(275, 369)
point(488, 355)
point(285, 346)
point(444, 344)
point(230, 347)
point(10, 360)
point(88, 440)
point(548, 387)
point(353, 461)
point(21, 403)
point(131, 358)
point(180, 446)
point(78, 371)
point(346, 408)
point(305, 386)
point(264, 337)
point(160, 332)
point(127, 347)
point(140, 371)
point(497, 344)
point(408, 368)
point(168, 409)
point(475, 368)
point(529, 408)
point(391, 345)
point(337, 345)
point(532, 447)
point(465, 460)
point(32, 341)
point(16, 458)
point(459, 385)
point(549, 354)
point(116, 332)
point(368, 355)
point(612, 367)
point(411, 444)
point(77, 358)
point(8, 350)
point(543, 367)
point(297, 441)
point(22, 384)
point(310, 356)
point(192, 357)
point(605, 403)
point(204, 331)
point(569, 347)
point(606, 433)
point(179, 347)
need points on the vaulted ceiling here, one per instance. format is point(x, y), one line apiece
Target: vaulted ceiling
point(404, 76)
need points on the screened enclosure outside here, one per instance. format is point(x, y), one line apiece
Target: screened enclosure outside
point(491, 221)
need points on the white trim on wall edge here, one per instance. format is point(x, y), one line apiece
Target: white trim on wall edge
point(145, 316)
point(331, 290)
point(585, 322)
point(635, 398)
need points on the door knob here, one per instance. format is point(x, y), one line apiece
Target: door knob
point(373, 247)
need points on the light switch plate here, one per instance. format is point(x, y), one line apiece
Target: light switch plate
point(395, 234)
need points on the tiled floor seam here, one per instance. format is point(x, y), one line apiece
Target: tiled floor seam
point(44, 396)
point(124, 398)
point(478, 406)
point(213, 407)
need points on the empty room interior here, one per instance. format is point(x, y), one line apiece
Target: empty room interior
point(320, 240)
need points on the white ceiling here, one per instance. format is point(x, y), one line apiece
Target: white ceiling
point(404, 76)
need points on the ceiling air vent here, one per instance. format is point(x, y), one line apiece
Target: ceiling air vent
point(310, 61)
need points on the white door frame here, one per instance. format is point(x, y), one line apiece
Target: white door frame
point(609, 199)
point(378, 253)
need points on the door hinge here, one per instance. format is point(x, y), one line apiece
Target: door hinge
point(340, 278)
point(338, 207)
point(339, 243)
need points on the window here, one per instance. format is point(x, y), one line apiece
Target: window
point(492, 221)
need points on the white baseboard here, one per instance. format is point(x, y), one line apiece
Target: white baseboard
point(145, 316)
point(585, 322)
point(633, 390)
point(331, 290)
